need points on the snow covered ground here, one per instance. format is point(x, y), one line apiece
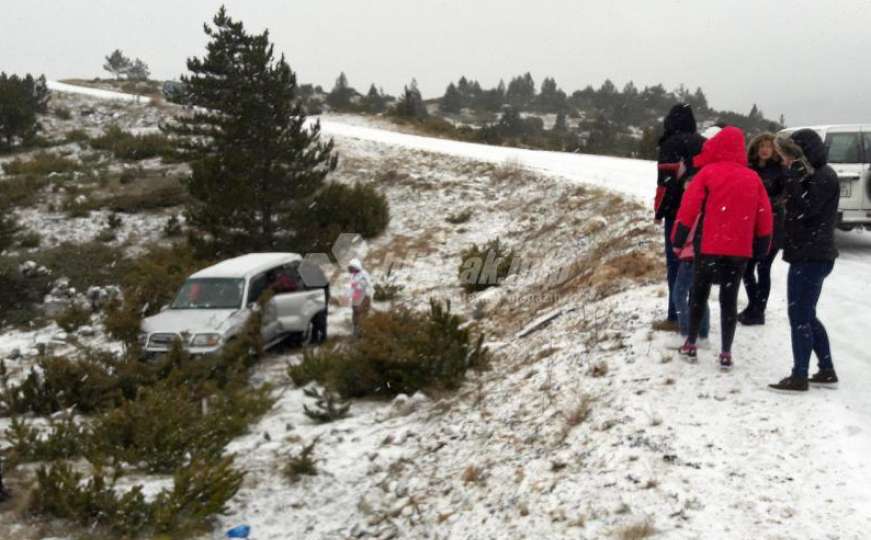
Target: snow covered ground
point(695, 452)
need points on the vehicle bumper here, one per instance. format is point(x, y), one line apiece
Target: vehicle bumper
point(194, 351)
point(854, 217)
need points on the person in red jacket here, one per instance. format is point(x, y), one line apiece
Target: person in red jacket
point(736, 224)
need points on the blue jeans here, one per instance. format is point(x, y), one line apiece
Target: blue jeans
point(803, 287)
point(671, 264)
point(683, 286)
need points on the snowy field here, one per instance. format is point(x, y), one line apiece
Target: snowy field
point(694, 452)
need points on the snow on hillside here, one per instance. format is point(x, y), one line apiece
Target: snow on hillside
point(589, 424)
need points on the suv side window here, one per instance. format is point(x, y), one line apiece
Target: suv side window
point(256, 288)
point(844, 147)
point(866, 138)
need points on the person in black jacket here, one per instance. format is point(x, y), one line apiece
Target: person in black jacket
point(757, 277)
point(677, 147)
point(812, 196)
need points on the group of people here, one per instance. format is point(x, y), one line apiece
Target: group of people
point(727, 210)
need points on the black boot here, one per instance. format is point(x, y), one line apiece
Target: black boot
point(790, 384)
point(752, 316)
point(824, 377)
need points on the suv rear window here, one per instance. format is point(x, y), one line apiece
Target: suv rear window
point(843, 147)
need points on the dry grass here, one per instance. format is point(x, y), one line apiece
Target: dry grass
point(473, 475)
point(637, 531)
point(576, 415)
point(598, 369)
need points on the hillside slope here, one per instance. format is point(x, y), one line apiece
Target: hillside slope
point(585, 427)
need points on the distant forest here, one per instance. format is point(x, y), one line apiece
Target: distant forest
point(604, 120)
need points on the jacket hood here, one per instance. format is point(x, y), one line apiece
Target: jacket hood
point(680, 119)
point(725, 146)
point(812, 146)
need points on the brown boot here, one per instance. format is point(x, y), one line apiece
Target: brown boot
point(666, 326)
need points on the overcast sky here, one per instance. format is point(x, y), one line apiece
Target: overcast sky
point(804, 58)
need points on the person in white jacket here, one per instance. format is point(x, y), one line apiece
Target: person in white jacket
point(360, 293)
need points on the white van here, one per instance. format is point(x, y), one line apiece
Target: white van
point(213, 305)
point(849, 148)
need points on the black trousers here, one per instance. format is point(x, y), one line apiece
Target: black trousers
point(758, 288)
point(709, 270)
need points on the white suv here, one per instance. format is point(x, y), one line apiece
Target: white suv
point(214, 304)
point(849, 148)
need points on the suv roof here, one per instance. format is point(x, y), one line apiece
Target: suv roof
point(247, 265)
point(832, 127)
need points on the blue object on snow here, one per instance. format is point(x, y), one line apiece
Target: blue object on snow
point(242, 531)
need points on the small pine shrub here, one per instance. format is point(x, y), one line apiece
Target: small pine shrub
point(387, 289)
point(168, 194)
point(86, 264)
point(63, 493)
point(30, 240)
point(63, 113)
point(63, 439)
point(73, 318)
point(21, 191)
point(400, 352)
point(482, 267)
point(9, 228)
point(41, 164)
point(339, 208)
point(20, 296)
point(106, 236)
point(168, 425)
point(125, 145)
point(459, 218)
point(56, 384)
point(77, 136)
point(200, 491)
point(114, 221)
point(328, 406)
point(314, 367)
point(172, 228)
point(302, 464)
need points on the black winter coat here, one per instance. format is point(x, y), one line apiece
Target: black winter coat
point(679, 143)
point(811, 205)
point(677, 148)
point(773, 176)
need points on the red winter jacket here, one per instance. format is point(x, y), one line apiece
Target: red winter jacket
point(736, 211)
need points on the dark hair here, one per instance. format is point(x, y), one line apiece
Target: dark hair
point(753, 148)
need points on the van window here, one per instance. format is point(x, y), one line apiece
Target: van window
point(866, 136)
point(256, 288)
point(843, 147)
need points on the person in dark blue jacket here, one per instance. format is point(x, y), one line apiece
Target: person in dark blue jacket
point(812, 197)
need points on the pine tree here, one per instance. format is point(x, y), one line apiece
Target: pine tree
point(21, 100)
point(374, 102)
point(647, 145)
point(411, 105)
point(561, 124)
point(254, 160)
point(117, 64)
point(138, 71)
point(340, 97)
point(452, 102)
point(700, 101)
point(8, 229)
point(521, 91)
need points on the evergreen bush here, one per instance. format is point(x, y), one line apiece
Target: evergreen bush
point(400, 352)
point(482, 267)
